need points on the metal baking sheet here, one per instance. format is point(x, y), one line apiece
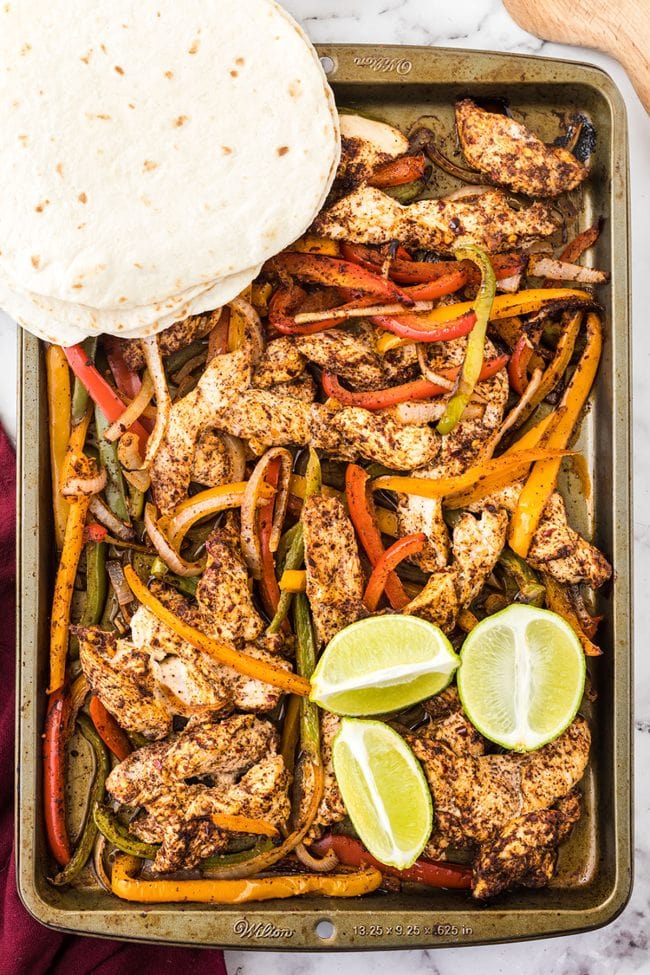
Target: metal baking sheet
point(593, 882)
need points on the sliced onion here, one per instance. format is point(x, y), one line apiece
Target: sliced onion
point(85, 485)
point(341, 314)
point(128, 454)
point(320, 864)
point(99, 849)
point(163, 400)
point(165, 550)
point(236, 456)
point(118, 581)
point(418, 414)
point(105, 517)
point(467, 192)
point(250, 536)
point(538, 247)
point(546, 267)
point(133, 411)
point(202, 505)
point(254, 330)
point(510, 284)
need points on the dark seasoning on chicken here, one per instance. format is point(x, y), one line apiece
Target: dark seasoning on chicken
point(266, 470)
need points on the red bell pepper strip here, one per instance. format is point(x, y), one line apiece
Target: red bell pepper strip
point(99, 390)
point(413, 328)
point(446, 284)
point(109, 730)
point(287, 301)
point(406, 169)
point(269, 588)
point(518, 365)
point(127, 381)
point(361, 509)
point(433, 873)
point(94, 532)
point(58, 727)
point(381, 399)
point(398, 551)
point(419, 272)
point(334, 272)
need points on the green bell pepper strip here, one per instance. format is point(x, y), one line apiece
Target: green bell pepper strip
point(177, 359)
point(89, 833)
point(296, 553)
point(80, 394)
point(115, 491)
point(96, 589)
point(530, 589)
point(136, 502)
point(470, 370)
point(160, 571)
point(286, 541)
point(305, 664)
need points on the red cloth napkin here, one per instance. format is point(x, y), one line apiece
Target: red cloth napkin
point(26, 947)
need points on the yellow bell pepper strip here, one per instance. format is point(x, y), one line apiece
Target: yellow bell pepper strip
point(534, 437)
point(441, 487)
point(401, 549)
point(470, 370)
point(59, 399)
point(75, 446)
point(63, 589)
point(243, 824)
point(130, 888)
point(311, 244)
point(504, 306)
point(218, 650)
point(89, 833)
point(293, 580)
point(559, 602)
point(542, 479)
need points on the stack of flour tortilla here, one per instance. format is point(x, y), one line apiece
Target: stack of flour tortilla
point(152, 157)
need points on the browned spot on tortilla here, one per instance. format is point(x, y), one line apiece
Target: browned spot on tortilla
point(181, 120)
point(77, 286)
point(24, 139)
point(131, 105)
point(139, 266)
point(194, 46)
point(86, 57)
point(118, 69)
point(41, 206)
point(149, 165)
point(169, 74)
point(282, 150)
point(239, 61)
point(59, 168)
point(103, 47)
point(82, 198)
point(233, 73)
point(106, 118)
point(35, 260)
point(294, 88)
point(25, 49)
point(227, 151)
point(122, 299)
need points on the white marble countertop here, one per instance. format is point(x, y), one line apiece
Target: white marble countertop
point(624, 946)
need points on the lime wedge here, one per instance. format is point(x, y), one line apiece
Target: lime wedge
point(381, 664)
point(522, 677)
point(384, 791)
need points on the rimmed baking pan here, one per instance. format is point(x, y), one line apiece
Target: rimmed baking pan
point(593, 881)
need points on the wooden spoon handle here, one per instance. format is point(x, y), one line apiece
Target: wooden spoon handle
point(621, 29)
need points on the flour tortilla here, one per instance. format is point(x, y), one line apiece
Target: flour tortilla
point(151, 149)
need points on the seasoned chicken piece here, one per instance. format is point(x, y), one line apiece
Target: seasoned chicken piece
point(438, 602)
point(224, 599)
point(331, 809)
point(369, 216)
point(511, 155)
point(171, 339)
point(265, 418)
point(334, 577)
point(281, 362)
point(475, 798)
point(456, 732)
point(365, 145)
point(525, 852)
point(559, 550)
point(302, 388)
point(352, 432)
point(350, 356)
point(246, 777)
point(124, 681)
point(477, 544)
point(212, 463)
point(219, 386)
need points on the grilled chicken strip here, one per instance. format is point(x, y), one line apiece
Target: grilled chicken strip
point(439, 601)
point(369, 216)
point(559, 550)
point(350, 356)
point(331, 809)
point(477, 545)
point(352, 432)
point(226, 605)
point(511, 155)
point(247, 778)
point(281, 362)
point(212, 464)
point(365, 145)
point(172, 339)
point(334, 577)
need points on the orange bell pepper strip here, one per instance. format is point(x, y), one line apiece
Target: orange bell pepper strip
point(243, 824)
point(109, 730)
point(364, 518)
point(217, 649)
point(398, 551)
point(335, 272)
point(208, 891)
point(558, 601)
point(406, 271)
point(63, 588)
point(59, 403)
point(58, 727)
point(406, 169)
point(542, 479)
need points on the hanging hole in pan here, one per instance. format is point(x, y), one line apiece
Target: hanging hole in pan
point(325, 930)
point(328, 64)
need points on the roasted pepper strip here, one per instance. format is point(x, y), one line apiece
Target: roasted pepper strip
point(63, 589)
point(109, 730)
point(59, 411)
point(470, 370)
point(243, 824)
point(269, 589)
point(80, 393)
point(290, 731)
point(218, 650)
point(558, 600)
point(293, 580)
point(410, 327)
point(58, 728)
point(406, 169)
point(109, 826)
point(125, 886)
point(406, 271)
point(115, 490)
point(398, 551)
point(386, 519)
point(334, 272)
point(556, 368)
point(529, 589)
point(542, 479)
point(89, 832)
point(433, 873)
point(418, 389)
point(363, 515)
point(286, 303)
point(127, 381)
point(518, 365)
